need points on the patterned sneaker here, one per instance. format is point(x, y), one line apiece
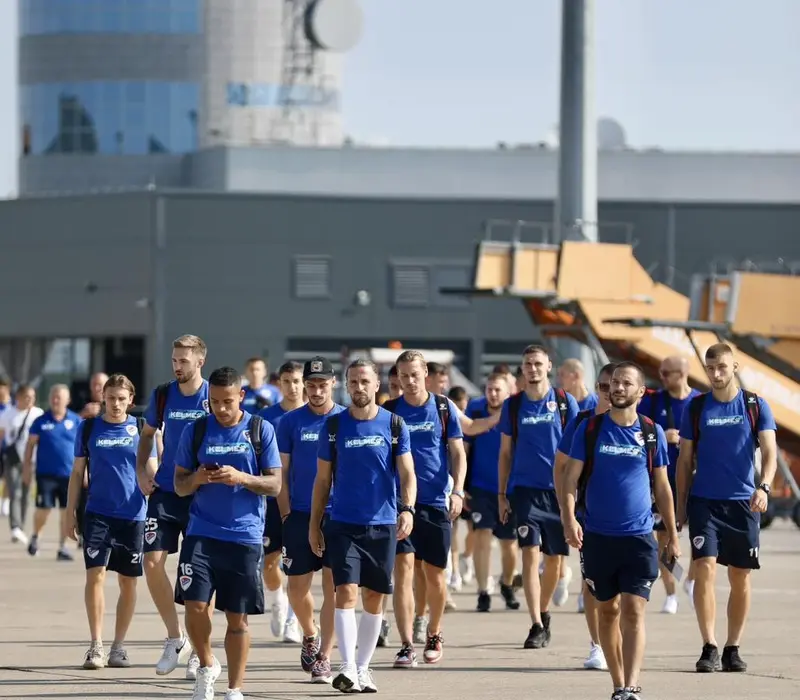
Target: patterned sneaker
point(321, 670)
point(118, 658)
point(406, 657)
point(191, 666)
point(308, 652)
point(95, 658)
point(433, 649)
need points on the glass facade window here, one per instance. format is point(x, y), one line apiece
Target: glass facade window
point(110, 117)
point(38, 17)
point(265, 95)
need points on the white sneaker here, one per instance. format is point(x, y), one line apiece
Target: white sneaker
point(18, 536)
point(204, 684)
point(192, 665)
point(366, 681)
point(346, 680)
point(456, 582)
point(176, 651)
point(688, 587)
point(467, 569)
point(95, 658)
point(670, 605)
point(561, 595)
point(291, 632)
point(5, 507)
point(491, 585)
point(234, 694)
point(118, 658)
point(596, 661)
point(581, 604)
point(280, 609)
point(420, 630)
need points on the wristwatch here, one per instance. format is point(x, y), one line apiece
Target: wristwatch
point(403, 508)
point(460, 494)
point(765, 487)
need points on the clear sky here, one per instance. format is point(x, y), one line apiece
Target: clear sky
point(678, 74)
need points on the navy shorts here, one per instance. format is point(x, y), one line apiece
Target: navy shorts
point(362, 554)
point(273, 528)
point(725, 530)
point(229, 569)
point(486, 515)
point(167, 520)
point(51, 492)
point(538, 520)
point(116, 544)
point(621, 564)
point(298, 559)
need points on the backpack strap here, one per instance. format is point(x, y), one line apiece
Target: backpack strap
point(397, 429)
point(650, 436)
point(140, 423)
point(563, 406)
point(753, 407)
point(391, 404)
point(86, 434)
point(696, 413)
point(332, 426)
point(262, 402)
point(583, 415)
point(256, 425)
point(162, 392)
point(514, 404)
point(593, 425)
point(198, 435)
point(443, 409)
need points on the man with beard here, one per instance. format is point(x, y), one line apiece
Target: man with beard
point(586, 601)
point(666, 407)
point(720, 433)
point(172, 406)
point(366, 446)
point(532, 422)
point(617, 464)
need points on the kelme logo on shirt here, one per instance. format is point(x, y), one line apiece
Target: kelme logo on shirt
point(534, 420)
point(621, 450)
point(309, 436)
point(48, 426)
point(236, 448)
point(426, 427)
point(725, 421)
point(185, 414)
point(115, 442)
point(366, 441)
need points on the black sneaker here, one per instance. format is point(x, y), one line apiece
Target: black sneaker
point(709, 660)
point(64, 555)
point(634, 693)
point(546, 625)
point(620, 694)
point(33, 546)
point(537, 637)
point(731, 661)
point(484, 602)
point(509, 596)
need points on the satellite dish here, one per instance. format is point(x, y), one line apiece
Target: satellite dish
point(610, 135)
point(334, 25)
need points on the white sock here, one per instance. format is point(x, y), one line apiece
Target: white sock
point(347, 633)
point(290, 614)
point(273, 597)
point(369, 629)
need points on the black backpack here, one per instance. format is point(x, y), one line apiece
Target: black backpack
point(655, 398)
point(442, 408)
point(515, 402)
point(332, 428)
point(162, 391)
point(752, 407)
point(593, 426)
point(86, 433)
point(199, 434)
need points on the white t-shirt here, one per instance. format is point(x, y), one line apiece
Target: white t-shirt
point(11, 423)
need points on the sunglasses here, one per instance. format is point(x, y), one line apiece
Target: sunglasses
point(603, 386)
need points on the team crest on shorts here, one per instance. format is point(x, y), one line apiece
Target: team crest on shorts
point(92, 552)
point(267, 541)
point(185, 582)
point(149, 537)
point(552, 406)
point(657, 518)
point(205, 406)
point(522, 531)
point(131, 430)
point(476, 518)
point(698, 541)
point(639, 437)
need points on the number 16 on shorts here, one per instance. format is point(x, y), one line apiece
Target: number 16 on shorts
point(185, 576)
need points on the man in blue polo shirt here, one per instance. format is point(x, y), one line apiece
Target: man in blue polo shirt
point(438, 451)
point(171, 408)
point(258, 394)
point(666, 407)
point(298, 439)
point(532, 422)
point(720, 432)
point(52, 436)
point(617, 466)
point(283, 622)
point(366, 448)
point(229, 461)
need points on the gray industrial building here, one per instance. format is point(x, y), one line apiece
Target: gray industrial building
point(264, 250)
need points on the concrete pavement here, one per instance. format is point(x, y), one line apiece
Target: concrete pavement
point(43, 636)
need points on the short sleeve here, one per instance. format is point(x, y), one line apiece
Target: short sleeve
point(686, 431)
point(505, 419)
point(183, 455)
point(766, 420)
point(36, 427)
point(324, 443)
point(565, 444)
point(578, 448)
point(404, 441)
point(662, 455)
point(79, 451)
point(284, 435)
point(270, 459)
point(453, 423)
point(150, 412)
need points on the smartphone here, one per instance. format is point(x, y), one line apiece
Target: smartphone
point(672, 565)
point(211, 467)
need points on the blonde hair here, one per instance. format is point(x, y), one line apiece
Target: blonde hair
point(191, 342)
point(119, 381)
point(408, 356)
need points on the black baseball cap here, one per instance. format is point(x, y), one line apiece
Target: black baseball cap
point(318, 368)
